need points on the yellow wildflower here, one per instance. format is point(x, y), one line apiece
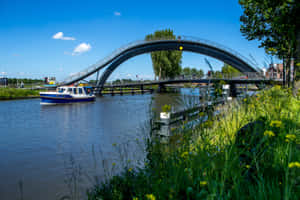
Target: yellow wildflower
point(184, 154)
point(135, 198)
point(276, 123)
point(150, 197)
point(201, 114)
point(290, 137)
point(130, 169)
point(114, 144)
point(294, 164)
point(113, 164)
point(278, 87)
point(269, 133)
point(245, 100)
point(203, 183)
point(248, 166)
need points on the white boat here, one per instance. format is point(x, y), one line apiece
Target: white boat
point(68, 94)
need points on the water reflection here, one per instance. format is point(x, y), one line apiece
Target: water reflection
point(45, 150)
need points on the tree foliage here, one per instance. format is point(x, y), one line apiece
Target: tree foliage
point(228, 69)
point(276, 23)
point(187, 71)
point(166, 64)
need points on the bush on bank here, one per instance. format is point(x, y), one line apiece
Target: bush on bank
point(13, 93)
point(250, 151)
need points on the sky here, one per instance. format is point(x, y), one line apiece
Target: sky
point(41, 38)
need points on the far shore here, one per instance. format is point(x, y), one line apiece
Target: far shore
point(16, 93)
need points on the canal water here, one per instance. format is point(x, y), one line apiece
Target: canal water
point(48, 152)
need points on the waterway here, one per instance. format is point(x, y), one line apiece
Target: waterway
point(48, 152)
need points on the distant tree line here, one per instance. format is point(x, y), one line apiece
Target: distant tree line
point(24, 80)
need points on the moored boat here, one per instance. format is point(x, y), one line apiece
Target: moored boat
point(68, 94)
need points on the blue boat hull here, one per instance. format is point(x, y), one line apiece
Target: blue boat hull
point(62, 99)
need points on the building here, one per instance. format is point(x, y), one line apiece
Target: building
point(3, 81)
point(275, 71)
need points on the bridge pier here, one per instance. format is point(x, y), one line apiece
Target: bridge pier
point(233, 90)
point(161, 88)
point(112, 91)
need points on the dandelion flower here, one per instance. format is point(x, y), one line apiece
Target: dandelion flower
point(203, 183)
point(184, 154)
point(276, 123)
point(150, 197)
point(290, 137)
point(269, 133)
point(294, 164)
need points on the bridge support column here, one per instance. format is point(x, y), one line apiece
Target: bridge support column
point(98, 91)
point(112, 91)
point(161, 88)
point(142, 89)
point(233, 90)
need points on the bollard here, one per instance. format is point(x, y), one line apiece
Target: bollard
point(165, 129)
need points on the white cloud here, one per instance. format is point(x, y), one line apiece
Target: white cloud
point(3, 73)
point(60, 36)
point(116, 13)
point(81, 48)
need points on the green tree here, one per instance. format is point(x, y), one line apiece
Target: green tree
point(200, 73)
point(276, 24)
point(229, 70)
point(166, 64)
point(194, 71)
point(186, 71)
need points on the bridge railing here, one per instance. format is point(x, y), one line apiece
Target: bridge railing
point(220, 46)
point(209, 76)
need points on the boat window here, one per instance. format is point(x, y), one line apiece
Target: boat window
point(61, 90)
point(74, 91)
point(79, 90)
point(70, 90)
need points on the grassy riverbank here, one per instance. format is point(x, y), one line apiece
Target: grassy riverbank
point(251, 151)
point(14, 93)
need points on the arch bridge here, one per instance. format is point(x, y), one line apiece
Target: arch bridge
point(191, 44)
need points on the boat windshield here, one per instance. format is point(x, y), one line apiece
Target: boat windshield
point(88, 90)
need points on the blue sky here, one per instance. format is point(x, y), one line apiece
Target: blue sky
point(93, 29)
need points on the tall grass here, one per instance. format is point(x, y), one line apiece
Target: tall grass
point(250, 151)
point(13, 93)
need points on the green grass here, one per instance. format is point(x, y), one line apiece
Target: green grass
point(13, 93)
point(250, 151)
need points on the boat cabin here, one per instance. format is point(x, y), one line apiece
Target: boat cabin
point(75, 90)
